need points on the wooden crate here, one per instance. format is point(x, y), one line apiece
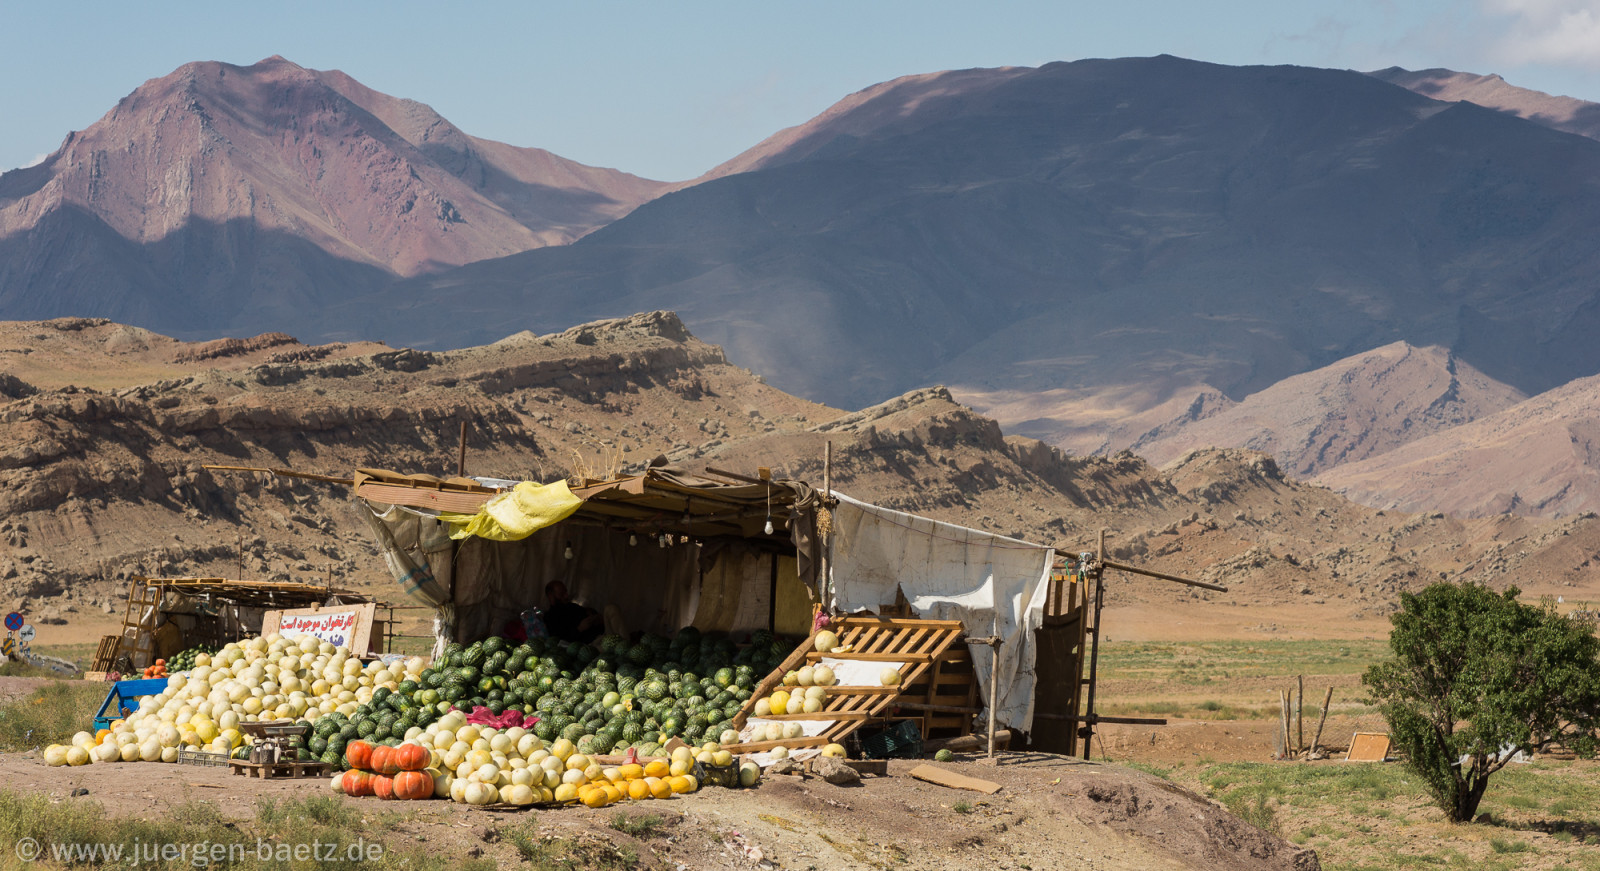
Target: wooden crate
point(105, 656)
point(937, 687)
point(273, 770)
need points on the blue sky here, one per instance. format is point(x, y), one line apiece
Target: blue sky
point(668, 90)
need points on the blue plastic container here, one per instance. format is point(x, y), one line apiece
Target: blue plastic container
point(123, 699)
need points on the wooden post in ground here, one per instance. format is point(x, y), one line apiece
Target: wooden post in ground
point(1300, 715)
point(1283, 720)
point(994, 687)
point(461, 461)
point(1317, 739)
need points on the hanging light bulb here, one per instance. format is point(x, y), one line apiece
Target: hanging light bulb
point(768, 528)
point(633, 540)
point(663, 540)
point(569, 550)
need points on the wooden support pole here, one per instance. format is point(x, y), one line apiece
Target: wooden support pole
point(825, 542)
point(1283, 721)
point(1300, 715)
point(461, 461)
point(1086, 731)
point(994, 689)
point(1317, 739)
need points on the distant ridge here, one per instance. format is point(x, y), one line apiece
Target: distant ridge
point(1356, 408)
point(1492, 92)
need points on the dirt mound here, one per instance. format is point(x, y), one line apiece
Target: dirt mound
point(1192, 828)
point(1051, 812)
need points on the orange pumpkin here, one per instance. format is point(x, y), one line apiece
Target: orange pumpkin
point(383, 787)
point(411, 757)
point(412, 784)
point(359, 755)
point(357, 782)
point(383, 761)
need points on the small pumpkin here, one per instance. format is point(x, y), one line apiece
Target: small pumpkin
point(384, 762)
point(411, 757)
point(359, 755)
point(383, 787)
point(410, 785)
point(357, 782)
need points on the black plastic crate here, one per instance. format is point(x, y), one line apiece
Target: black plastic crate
point(901, 741)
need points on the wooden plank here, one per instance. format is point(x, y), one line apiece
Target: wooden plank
point(814, 656)
point(930, 774)
point(875, 767)
point(791, 743)
point(1368, 747)
point(938, 709)
point(453, 501)
point(861, 691)
point(818, 716)
point(895, 622)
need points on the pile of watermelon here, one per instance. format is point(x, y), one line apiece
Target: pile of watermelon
point(184, 661)
point(604, 697)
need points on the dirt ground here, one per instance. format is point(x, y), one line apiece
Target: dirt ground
point(1051, 812)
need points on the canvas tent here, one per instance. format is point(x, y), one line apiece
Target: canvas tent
point(717, 551)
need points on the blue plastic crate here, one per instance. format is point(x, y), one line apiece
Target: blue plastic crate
point(123, 699)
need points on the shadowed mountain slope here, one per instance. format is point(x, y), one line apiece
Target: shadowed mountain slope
point(1153, 228)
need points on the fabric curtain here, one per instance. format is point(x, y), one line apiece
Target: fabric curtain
point(994, 585)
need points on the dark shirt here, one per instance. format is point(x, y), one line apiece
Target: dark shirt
point(562, 620)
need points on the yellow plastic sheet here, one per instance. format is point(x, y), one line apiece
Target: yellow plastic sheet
point(517, 514)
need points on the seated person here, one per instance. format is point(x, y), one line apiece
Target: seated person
point(568, 620)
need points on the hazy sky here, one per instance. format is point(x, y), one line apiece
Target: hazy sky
point(667, 90)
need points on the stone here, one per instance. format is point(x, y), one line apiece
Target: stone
point(835, 772)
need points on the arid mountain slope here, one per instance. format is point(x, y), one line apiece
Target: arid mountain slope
point(102, 482)
point(1538, 457)
point(222, 195)
point(1138, 228)
point(558, 199)
point(1354, 409)
point(1492, 92)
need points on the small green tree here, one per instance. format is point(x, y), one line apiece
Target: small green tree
point(1478, 675)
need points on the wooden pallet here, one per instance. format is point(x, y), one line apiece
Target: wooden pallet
point(936, 683)
point(273, 770)
point(105, 656)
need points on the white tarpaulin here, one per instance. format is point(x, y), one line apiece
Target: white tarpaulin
point(994, 585)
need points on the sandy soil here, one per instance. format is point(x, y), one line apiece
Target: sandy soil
point(1051, 812)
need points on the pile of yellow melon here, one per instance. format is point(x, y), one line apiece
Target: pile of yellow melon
point(267, 678)
point(482, 765)
point(802, 692)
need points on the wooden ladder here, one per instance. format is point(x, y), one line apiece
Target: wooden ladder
point(138, 643)
point(923, 646)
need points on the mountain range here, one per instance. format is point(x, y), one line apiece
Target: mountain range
point(1144, 253)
